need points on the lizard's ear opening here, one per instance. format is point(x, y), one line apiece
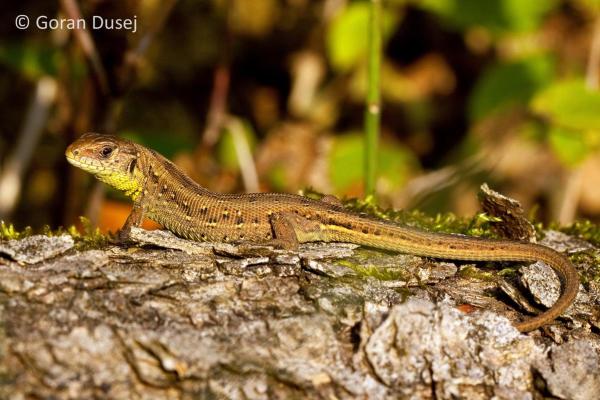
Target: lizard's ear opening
point(131, 166)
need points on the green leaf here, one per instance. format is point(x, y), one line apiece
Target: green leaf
point(570, 105)
point(226, 150)
point(345, 163)
point(347, 37)
point(496, 15)
point(508, 84)
point(569, 146)
point(395, 163)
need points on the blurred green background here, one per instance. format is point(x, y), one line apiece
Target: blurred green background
point(268, 95)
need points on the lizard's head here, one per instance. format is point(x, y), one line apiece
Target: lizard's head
point(112, 160)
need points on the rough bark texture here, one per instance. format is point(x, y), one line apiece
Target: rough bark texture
point(514, 224)
point(176, 319)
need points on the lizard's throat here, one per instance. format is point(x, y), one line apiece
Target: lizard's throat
point(127, 182)
point(123, 182)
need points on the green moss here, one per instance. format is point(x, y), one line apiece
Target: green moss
point(378, 272)
point(89, 237)
point(509, 271)
point(590, 261)
point(585, 230)
point(589, 232)
point(478, 225)
point(8, 232)
point(470, 271)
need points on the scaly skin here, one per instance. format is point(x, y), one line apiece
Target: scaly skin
point(161, 192)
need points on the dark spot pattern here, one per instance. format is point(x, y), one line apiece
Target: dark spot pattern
point(185, 207)
point(152, 175)
point(347, 225)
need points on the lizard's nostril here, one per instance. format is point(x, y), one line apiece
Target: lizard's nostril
point(75, 152)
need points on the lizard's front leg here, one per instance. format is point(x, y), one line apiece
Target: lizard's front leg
point(135, 218)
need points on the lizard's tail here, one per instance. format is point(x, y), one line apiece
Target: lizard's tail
point(459, 247)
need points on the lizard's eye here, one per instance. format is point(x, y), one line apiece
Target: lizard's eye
point(106, 151)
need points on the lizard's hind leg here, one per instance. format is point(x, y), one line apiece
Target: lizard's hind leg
point(284, 234)
point(291, 229)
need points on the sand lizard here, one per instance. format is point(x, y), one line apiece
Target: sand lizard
point(163, 193)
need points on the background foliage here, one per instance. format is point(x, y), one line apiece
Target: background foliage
point(269, 95)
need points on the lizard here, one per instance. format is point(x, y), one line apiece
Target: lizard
point(162, 192)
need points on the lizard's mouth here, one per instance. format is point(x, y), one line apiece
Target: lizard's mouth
point(85, 163)
point(117, 179)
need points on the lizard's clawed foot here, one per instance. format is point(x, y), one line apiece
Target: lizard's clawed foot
point(261, 249)
point(281, 244)
point(123, 236)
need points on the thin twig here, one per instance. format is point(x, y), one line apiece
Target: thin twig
point(218, 106)
point(217, 110)
point(373, 106)
point(11, 177)
point(570, 196)
point(593, 65)
point(83, 37)
point(244, 155)
point(132, 62)
point(153, 30)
